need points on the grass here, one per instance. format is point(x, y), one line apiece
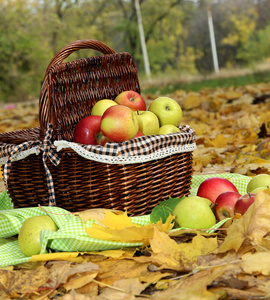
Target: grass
point(223, 80)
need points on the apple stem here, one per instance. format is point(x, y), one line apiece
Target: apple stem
point(137, 112)
point(249, 194)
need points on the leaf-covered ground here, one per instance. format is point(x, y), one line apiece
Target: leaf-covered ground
point(233, 135)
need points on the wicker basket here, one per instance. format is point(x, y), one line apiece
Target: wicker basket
point(68, 94)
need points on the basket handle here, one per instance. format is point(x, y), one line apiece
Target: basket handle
point(77, 45)
point(58, 59)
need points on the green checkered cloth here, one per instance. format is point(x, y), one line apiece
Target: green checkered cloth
point(71, 235)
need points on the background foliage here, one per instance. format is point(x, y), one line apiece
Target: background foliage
point(176, 33)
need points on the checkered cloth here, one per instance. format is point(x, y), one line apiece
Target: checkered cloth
point(71, 235)
point(48, 152)
point(141, 149)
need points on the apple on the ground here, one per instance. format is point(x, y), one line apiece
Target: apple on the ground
point(167, 110)
point(119, 123)
point(224, 205)
point(29, 234)
point(195, 213)
point(260, 180)
point(88, 131)
point(244, 203)
point(148, 122)
point(99, 107)
point(167, 129)
point(212, 187)
point(131, 99)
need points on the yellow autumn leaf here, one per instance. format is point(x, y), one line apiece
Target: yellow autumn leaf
point(192, 100)
point(120, 228)
point(251, 227)
point(114, 221)
point(256, 263)
point(220, 141)
point(79, 281)
point(65, 256)
point(172, 255)
point(97, 214)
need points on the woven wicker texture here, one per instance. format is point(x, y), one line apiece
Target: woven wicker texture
point(70, 89)
point(68, 94)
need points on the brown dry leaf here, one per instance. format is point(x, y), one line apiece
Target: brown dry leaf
point(251, 227)
point(62, 271)
point(194, 286)
point(23, 281)
point(79, 280)
point(124, 289)
point(112, 270)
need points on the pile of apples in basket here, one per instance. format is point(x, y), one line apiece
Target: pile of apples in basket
point(127, 117)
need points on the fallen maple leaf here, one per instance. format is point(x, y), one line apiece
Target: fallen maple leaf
point(120, 228)
point(169, 254)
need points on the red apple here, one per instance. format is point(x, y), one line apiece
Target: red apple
point(244, 203)
point(131, 99)
point(212, 187)
point(224, 205)
point(138, 134)
point(88, 132)
point(119, 123)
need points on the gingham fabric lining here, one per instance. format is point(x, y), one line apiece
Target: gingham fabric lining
point(141, 149)
point(48, 152)
point(71, 235)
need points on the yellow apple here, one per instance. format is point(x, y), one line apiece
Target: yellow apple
point(148, 122)
point(167, 129)
point(99, 107)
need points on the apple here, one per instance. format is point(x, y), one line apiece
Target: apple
point(29, 234)
point(148, 122)
point(138, 134)
point(119, 123)
point(88, 132)
point(224, 205)
point(261, 180)
point(167, 129)
point(244, 203)
point(195, 213)
point(258, 189)
point(212, 187)
point(99, 107)
point(167, 110)
point(131, 99)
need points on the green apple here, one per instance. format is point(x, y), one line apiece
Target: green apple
point(29, 234)
point(195, 213)
point(167, 129)
point(167, 110)
point(148, 122)
point(99, 107)
point(258, 189)
point(261, 180)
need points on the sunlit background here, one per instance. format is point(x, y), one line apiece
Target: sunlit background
point(170, 40)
